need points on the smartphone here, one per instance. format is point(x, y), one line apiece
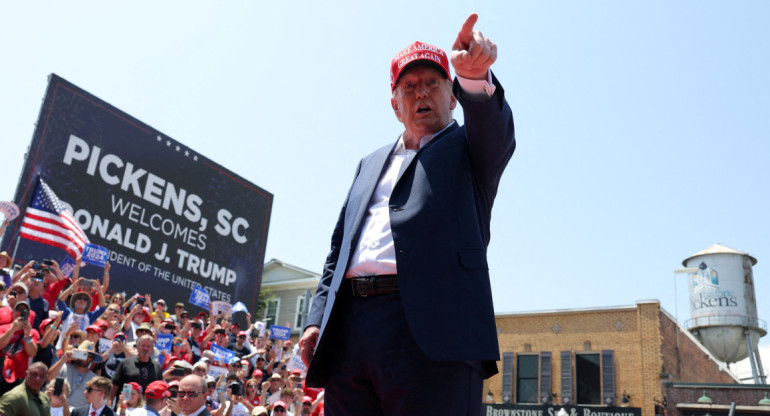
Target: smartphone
point(48, 262)
point(24, 314)
point(127, 392)
point(80, 355)
point(37, 266)
point(58, 386)
point(140, 300)
point(235, 389)
point(173, 393)
point(87, 282)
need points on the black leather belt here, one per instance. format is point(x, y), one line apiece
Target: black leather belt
point(374, 285)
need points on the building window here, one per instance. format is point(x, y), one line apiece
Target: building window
point(588, 380)
point(298, 322)
point(526, 378)
point(271, 312)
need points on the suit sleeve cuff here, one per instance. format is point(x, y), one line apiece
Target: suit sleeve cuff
point(477, 89)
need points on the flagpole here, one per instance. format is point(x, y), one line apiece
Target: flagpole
point(15, 248)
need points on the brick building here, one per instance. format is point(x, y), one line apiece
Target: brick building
point(614, 356)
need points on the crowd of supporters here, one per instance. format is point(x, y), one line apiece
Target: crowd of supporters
point(70, 345)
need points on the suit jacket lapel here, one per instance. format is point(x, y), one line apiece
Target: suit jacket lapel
point(370, 173)
point(411, 158)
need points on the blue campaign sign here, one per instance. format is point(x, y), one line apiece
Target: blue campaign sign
point(163, 342)
point(67, 266)
point(221, 354)
point(96, 255)
point(171, 218)
point(280, 332)
point(200, 297)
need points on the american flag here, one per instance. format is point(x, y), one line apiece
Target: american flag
point(48, 222)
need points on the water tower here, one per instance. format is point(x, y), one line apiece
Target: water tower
point(723, 308)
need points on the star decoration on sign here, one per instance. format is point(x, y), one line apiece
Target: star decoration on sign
point(186, 153)
point(177, 148)
point(195, 158)
point(168, 143)
point(160, 138)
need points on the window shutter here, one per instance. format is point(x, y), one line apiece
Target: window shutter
point(608, 377)
point(545, 377)
point(507, 393)
point(566, 377)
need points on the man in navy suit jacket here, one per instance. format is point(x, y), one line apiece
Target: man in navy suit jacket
point(402, 322)
point(97, 392)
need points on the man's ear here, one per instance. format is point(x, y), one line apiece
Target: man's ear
point(452, 102)
point(394, 104)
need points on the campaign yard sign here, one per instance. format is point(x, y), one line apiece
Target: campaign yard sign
point(96, 255)
point(221, 354)
point(171, 218)
point(280, 332)
point(199, 297)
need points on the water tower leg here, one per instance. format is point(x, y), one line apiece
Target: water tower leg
point(762, 378)
point(750, 347)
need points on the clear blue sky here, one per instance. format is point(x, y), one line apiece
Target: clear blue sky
point(642, 126)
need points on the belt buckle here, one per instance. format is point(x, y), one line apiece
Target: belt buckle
point(367, 284)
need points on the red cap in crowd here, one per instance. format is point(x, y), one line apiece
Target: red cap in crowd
point(95, 328)
point(415, 54)
point(257, 374)
point(157, 390)
point(45, 323)
point(135, 386)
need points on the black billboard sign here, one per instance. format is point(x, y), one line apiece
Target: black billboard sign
point(171, 218)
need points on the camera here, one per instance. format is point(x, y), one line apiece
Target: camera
point(140, 300)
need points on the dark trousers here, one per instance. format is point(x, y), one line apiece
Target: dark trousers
point(376, 368)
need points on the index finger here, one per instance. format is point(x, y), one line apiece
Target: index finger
point(466, 31)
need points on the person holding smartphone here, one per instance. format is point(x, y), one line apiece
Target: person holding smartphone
point(18, 343)
point(57, 392)
point(73, 366)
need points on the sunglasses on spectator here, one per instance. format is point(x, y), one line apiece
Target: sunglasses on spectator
point(13, 293)
point(236, 365)
point(191, 394)
point(75, 336)
point(90, 389)
point(114, 310)
point(177, 344)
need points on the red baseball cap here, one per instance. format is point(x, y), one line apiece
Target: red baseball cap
point(45, 323)
point(134, 385)
point(95, 328)
point(157, 390)
point(257, 373)
point(415, 54)
point(279, 403)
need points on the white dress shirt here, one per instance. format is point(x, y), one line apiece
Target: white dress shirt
point(375, 253)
